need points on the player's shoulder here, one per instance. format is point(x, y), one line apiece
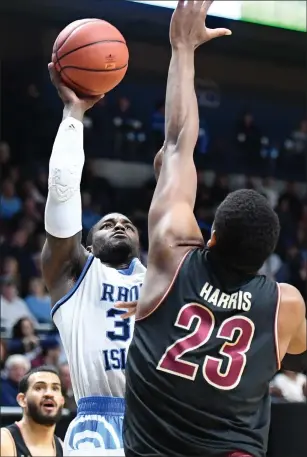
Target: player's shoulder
point(5, 432)
point(290, 295)
point(291, 301)
point(7, 443)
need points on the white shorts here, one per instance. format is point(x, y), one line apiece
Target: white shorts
point(97, 429)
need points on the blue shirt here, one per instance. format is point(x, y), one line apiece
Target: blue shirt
point(9, 207)
point(8, 394)
point(39, 307)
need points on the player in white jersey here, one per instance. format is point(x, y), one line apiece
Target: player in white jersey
point(84, 285)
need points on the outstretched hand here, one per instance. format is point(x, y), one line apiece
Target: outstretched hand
point(130, 306)
point(188, 26)
point(67, 95)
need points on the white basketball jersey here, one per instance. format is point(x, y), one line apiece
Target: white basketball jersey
point(95, 338)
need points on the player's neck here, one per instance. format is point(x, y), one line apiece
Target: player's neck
point(36, 433)
point(224, 268)
point(120, 264)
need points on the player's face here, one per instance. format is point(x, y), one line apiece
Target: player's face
point(115, 240)
point(43, 402)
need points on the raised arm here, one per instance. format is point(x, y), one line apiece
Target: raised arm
point(171, 219)
point(63, 255)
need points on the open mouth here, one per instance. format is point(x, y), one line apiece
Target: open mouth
point(48, 405)
point(119, 235)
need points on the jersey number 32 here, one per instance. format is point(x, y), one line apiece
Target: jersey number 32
point(234, 349)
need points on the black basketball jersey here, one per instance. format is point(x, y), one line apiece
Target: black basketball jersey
point(199, 366)
point(21, 447)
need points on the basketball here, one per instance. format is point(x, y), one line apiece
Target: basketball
point(91, 56)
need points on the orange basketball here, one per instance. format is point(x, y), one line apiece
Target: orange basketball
point(91, 56)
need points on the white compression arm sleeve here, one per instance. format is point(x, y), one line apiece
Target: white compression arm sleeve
point(63, 212)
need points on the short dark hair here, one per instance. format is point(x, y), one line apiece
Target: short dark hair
point(247, 230)
point(24, 382)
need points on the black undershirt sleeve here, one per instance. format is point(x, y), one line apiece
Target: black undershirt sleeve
point(296, 362)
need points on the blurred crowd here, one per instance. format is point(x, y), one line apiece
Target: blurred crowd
point(28, 337)
point(238, 133)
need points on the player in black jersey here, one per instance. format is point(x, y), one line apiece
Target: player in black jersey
point(210, 333)
point(40, 397)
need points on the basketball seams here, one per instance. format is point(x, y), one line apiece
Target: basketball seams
point(98, 70)
point(69, 35)
point(83, 89)
point(86, 45)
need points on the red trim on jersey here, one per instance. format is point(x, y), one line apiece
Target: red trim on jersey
point(167, 290)
point(239, 454)
point(276, 328)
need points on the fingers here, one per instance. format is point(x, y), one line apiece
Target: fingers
point(128, 314)
point(125, 305)
point(96, 99)
point(66, 93)
point(216, 33)
point(190, 4)
point(52, 72)
point(198, 4)
point(54, 75)
point(131, 306)
point(206, 5)
point(63, 91)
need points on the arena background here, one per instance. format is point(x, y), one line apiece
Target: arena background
point(259, 73)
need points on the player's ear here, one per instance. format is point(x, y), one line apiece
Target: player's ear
point(212, 241)
point(21, 400)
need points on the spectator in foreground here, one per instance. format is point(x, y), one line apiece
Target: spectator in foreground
point(16, 367)
point(40, 397)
